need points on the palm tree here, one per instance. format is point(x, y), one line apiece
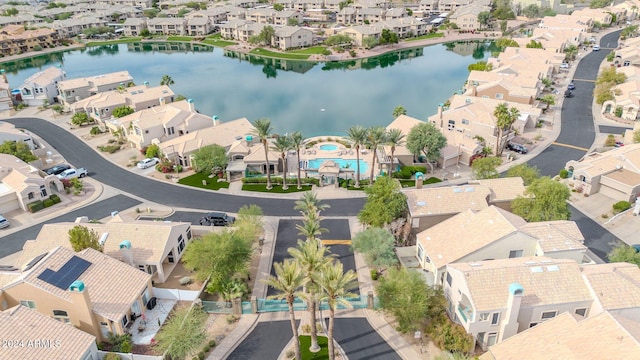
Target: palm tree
point(296, 143)
point(310, 227)
point(376, 137)
point(358, 135)
point(548, 99)
point(395, 137)
point(336, 287)
point(289, 278)
point(309, 202)
point(505, 118)
point(263, 130)
point(167, 80)
point(311, 257)
point(399, 110)
point(282, 144)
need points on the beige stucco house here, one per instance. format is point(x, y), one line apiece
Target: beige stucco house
point(72, 90)
point(22, 184)
point(606, 281)
point(567, 22)
point(359, 32)
point(291, 37)
point(134, 26)
point(167, 26)
point(466, 17)
point(42, 87)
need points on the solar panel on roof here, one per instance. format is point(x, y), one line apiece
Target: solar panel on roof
point(67, 274)
point(34, 261)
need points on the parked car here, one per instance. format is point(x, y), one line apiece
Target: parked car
point(57, 169)
point(596, 47)
point(72, 174)
point(4, 223)
point(619, 143)
point(592, 40)
point(217, 219)
point(147, 163)
point(521, 149)
point(571, 86)
point(568, 94)
point(564, 66)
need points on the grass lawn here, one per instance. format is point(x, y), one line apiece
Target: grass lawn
point(305, 343)
point(111, 42)
point(310, 51)
point(195, 180)
point(411, 183)
point(217, 42)
point(290, 56)
point(179, 38)
point(277, 189)
point(428, 36)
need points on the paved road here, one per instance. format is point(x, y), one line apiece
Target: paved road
point(619, 130)
point(360, 341)
point(98, 210)
point(78, 153)
point(598, 239)
point(266, 341)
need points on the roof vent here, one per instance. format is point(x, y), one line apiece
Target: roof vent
point(475, 264)
point(457, 190)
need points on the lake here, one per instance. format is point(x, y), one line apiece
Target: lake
point(315, 98)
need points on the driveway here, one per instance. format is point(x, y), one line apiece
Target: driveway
point(360, 341)
point(598, 239)
point(266, 341)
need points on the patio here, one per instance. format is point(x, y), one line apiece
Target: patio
point(148, 324)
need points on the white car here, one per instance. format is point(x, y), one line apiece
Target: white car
point(4, 223)
point(596, 47)
point(564, 66)
point(147, 163)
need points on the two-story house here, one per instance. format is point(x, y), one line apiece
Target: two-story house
point(72, 90)
point(42, 87)
point(167, 26)
point(134, 26)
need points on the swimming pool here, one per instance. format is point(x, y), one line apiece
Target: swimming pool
point(351, 164)
point(328, 147)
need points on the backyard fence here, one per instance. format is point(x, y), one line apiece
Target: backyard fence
point(102, 354)
point(175, 294)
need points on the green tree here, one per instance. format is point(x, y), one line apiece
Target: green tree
point(358, 136)
point(267, 35)
point(336, 287)
point(82, 238)
point(122, 111)
point(377, 245)
point(486, 168)
point(548, 12)
point(505, 117)
point(503, 10)
point(629, 31)
point(395, 138)
point(376, 136)
point(309, 203)
point(288, 280)
point(426, 139)
point(369, 42)
point(167, 80)
point(183, 334)
point(483, 19)
point(18, 149)
point(624, 253)
point(480, 66)
point(210, 157)
point(503, 43)
point(503, 28)
point(636, 136)
point(278, 7)
point(528, 173)
point(549, 100)
point(399, 110)
point(610, 75)
point(282, 145)
point(262, 129)
point(385, 203)
point(388, 37)
point(534, 45)
point(544, 200)
point(547, 83)
point(292, 22)
point(297, 141)
point(146, 32)
point(153, 151)
point(570, 52)
point(81, 118)
point(532, 11)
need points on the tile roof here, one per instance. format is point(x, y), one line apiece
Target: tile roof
point(604, 336)
point(113, 285)
point(224, 134)
point(446, 200)
point(545, 281)
point(23, 324)
point(556, 235)
point(466, 233)
point(615, 285)
point(503, 189)
point(44, 77)
point(95, 81)
point(625, 157)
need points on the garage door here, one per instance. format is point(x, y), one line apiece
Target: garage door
point(9, 203)
point(614, 193)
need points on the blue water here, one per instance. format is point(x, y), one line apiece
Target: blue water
point(328, 147)
point(351, 164)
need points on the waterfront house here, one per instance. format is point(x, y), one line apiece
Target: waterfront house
point(8, 132)
point(371, 15)
point(167, 26)
point(359, 32)
point(6, 100)
point(22, 184)
point(75, 27)
point(198, 26)
point(287, 17)
point(72, 90)
point(16, 39)
point(566, 22)
point(603, 16)
point(29, 334)
point(133, 26)
point(292, 37)
point(466, 17)
point(42, 87)
point(494, 300)
point(88, 289)
point(528, 59)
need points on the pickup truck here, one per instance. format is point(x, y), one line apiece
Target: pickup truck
point(72, 174)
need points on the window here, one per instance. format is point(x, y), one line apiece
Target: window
point(483, 317)
point(43, 191)
point(61, 316)
point(581, 311)
point(449, 279)
point(30, 195)
point(495, 317)
point(145, 296)
point(451, 125)
point(549, 315)
point(627, 63)
point(420, 252)
point(180, 244)
point(515, 254)
point(499, 96)
point(28, 303)
point(125, 321)
point(492, 339)
point(533, 324)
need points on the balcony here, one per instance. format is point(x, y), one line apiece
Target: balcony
point(465, 313)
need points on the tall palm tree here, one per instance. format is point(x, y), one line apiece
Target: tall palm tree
point(376, 136)
point(310, 227)
point(358, 136)
point(288, 280)
point(296, 142)
point(399, 110)
point(311, 257)
point(262, 129)
point(505, 118)
point(282, 144)
point(395, 137)
point(336, 287)
point(167, 80)
point(309, 202)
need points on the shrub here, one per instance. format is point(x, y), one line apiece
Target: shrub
point(35, 206)
point(212, 343)
point(621, 206)
point(611, 140)
point(201, 355)
point(152, 151)
point(111, 356)
point(47, 202)
point(109, 148)
point(126, 347)
point(374, 274)
point(563, 173)
point(95, 130)
point(55, 198)
point(451, 337)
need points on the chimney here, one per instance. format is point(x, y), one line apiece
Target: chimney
point(127, 253)
point(509, 323)
point(82, 308)
point(419, 179)
point(440, 110)
point(249, 139)
point(162, 101)
point(191, 106)
point(215, 119)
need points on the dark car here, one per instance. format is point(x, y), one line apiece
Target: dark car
point(568, 94)
point(217, 219)
point(58, 169)
point(571, 86)
point(517, 148)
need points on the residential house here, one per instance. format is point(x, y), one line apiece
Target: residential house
point(291, 37)
point(254, 159)
point(22, 184)
point(133, 26)
point(628, 54)
point(494, 300)
point(167, 26)
point(569, 337)
point(369, 15)
point(6, 100)
point(615, 173)
point(216, 15)
point(359, 32)
point(8, 132)
point(100, 106)
point(333, 5)
point(546, 63)
point(362, 4)
point(261, 15)
point(449, 6)
point(402, 155)
point(503, 190)
point(395, 13)
point(406, 26)
point(466, 17)
point(346, 16)
point(73, 27)
point(181, 149)
point(287, 17)
point(493, 233)
point(72, 90)
point(16, 39)
point(151, 246)
point(88, 289)
point(428, 7)
point(626, 100)
point(602, 16)
point(515, 89)
point(28, 334)
point(198, 26)
point(42, 87)
point(161, 123)
point(566, 22)
point(615, 288)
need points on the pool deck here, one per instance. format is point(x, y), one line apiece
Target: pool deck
point(342, 152)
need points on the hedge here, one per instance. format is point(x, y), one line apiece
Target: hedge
point(48, 202)
point(406, 172)
point(35, 206)
point(278, 181)
point(621, 206)
point(55, 198)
